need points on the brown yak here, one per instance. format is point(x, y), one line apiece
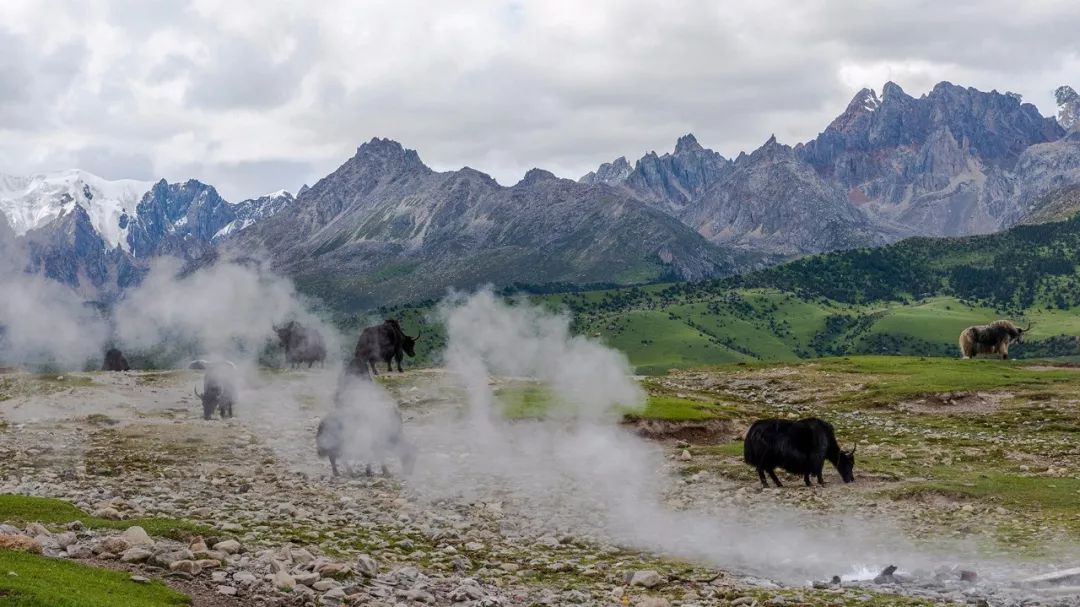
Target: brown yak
point(993, 338)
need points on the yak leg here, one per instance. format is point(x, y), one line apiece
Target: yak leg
point(333, 465)
point(374, 366)
point(385, 469)
point(1004, 352)
point(390, 364)
point(820, 480)
point(772, 475)
point(398, 358)
point(806, 479)
point(761, 475)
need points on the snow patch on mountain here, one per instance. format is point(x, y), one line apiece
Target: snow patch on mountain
point(30, 202)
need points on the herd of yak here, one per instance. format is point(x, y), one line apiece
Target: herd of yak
point(800, 447)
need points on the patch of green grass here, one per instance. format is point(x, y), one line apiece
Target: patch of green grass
point(44, 582)
point(21, 509)
point(673, 408)
point(891, 378)
point(524, 400)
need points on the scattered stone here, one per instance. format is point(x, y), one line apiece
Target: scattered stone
point(324, 585)
point(367, 566)
point(743, 600)
point(685, 456)
point(652, 601)
point(283, 581)
point(140, 579)
point(646, 579)
point(189, 567)
point(109, 513)
point(886, 576)
point(165, 558)
point(307, 579)
point(66, 539)
point(20, 542)
point(227, 590)
point(115, 544)
point(135, 555)
point(79, 551)
point(244, 578)
point(137, 536)
point(228, 546)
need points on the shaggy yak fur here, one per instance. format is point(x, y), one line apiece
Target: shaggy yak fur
point(993, 338)
point(800, 447)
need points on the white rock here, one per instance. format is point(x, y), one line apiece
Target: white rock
point(646, 579)
point(284, 581)
point(367, 566)
point(228, 546)
point(137, 536)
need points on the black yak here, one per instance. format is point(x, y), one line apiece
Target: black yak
point(385, 343)
point(365, 426)
point(115, 361)
point(993, 338)
point(219, 388)
point(800, 447)
point(302, 344)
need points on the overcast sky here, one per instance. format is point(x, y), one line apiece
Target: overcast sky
point(255, 96)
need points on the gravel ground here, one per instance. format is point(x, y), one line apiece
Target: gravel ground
point(131, 445)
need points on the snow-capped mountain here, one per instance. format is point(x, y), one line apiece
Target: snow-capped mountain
point(96, 235)
point(34, 201)
point(254, 210)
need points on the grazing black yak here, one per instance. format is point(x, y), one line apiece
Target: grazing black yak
point(302, 344)
point(385, 343)
point(993, 338)
point(219, 388)
point(115, 361)
point(800, 447)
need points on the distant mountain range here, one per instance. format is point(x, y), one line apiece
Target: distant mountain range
point(385, 228)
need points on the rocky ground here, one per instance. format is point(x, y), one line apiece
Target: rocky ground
point(278, 530)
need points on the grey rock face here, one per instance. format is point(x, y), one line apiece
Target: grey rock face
point(1068, 107)
point(774, 201)
point(383, 213)
point(610, 173)
point(939, 165)
point(669, 182)
point(178, 219)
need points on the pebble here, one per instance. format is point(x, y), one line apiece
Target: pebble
point(226, 590)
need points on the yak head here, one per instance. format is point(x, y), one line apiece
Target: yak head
point(409, 344)
point(285, 331)
point(845, 465)
point(1018, 336)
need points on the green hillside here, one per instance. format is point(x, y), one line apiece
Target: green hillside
point(913, 298)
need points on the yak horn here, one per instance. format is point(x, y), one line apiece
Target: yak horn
point(417, 336)
point(854, 447)
point(1031, 324)
point(197, 392)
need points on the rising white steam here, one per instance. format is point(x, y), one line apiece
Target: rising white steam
point(580, 472)
point(227, 309)
point(43, 322)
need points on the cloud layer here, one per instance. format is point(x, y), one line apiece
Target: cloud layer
point(254, 96)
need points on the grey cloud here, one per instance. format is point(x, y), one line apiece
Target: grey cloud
point(261, 100)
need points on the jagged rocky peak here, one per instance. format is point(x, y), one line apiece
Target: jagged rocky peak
point(534, 176)
point(1068, 107)
point(687, 144)
point(389, 156)
point(610, 173)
